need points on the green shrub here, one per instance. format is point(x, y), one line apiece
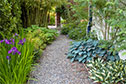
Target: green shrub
point(77, 33)
point(15, 60)
point(65, 30)
point(108, 72)
point(67, 27)
point(41, 37)
point(10, 16)
point(84, 51)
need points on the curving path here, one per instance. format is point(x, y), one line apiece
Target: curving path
point(55, 68)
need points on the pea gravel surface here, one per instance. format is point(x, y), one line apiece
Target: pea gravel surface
point(55, 68)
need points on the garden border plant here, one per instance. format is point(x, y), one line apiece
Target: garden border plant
point(16, 57)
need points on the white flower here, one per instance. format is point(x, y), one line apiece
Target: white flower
point(122, 54)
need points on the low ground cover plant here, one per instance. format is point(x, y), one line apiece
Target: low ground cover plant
point(84, 51)
point(107, 72)
point(16, 55)
point(41, 37)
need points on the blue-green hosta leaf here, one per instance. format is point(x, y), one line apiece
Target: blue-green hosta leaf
point(90, 46)
point(77, 58)
point(84, 49)
point(84, 61)
point(89, 40)
point(111, 58)
point(93, 48)
point(89, 54)
point(80, 53)
point(71, 50)
point(94, 55)
point(81, 47)
point(88, 49)
point(88, 58)
point(72, 60)
point(77, 43)
point(95, 43)
point(101, 54)
point(76, 51)
point(70, 55)
point(109, 53)
point(84, 52)
point(82, 58)
point(94, 51)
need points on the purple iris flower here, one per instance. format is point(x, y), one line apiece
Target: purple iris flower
point(1, 41)
point(14, 51)
point(22, 41)
point(7, 41)
point(8, 57)
point(15, 35)
point(11, 41)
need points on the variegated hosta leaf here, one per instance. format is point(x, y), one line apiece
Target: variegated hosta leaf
point(110, 73)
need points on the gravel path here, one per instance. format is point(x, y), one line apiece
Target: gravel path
point(55, 68)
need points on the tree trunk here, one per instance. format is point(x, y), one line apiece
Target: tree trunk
point(57, 19)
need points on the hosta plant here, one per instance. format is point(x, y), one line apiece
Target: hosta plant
point(84, 51)
point(108, 72)
point(16, 55)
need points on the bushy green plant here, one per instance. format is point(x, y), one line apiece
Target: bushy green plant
point(84, 51)
point(10, 16)
point(16, 57)
point(41, 37)
point(77, 33)
point(107, 72)
point(67, 28)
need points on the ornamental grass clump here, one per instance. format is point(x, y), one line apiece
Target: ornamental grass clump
point(15, 60)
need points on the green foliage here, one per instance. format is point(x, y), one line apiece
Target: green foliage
point(107, 72)
point(76, 21)
point(10, 14)
point(35, 12)
point(80, 10)
point(84, 51)
point(67, 27)
point(63, 10)
point(15, 14)
point(74, 31)
point(52, 20)
point(41, 37)
point(65, 30)
point(113, 12)
point(77, 33)
point(16, 67)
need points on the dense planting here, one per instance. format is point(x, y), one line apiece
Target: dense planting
point(74, 31)
point(41, 37)
point(84, 51)
point(15, 60)
point(108, 72)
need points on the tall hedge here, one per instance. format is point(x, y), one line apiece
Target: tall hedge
point(24, 13)
point(10, 14)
